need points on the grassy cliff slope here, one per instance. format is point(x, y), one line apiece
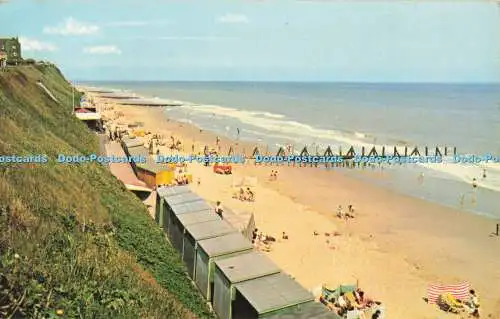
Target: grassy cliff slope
point(73, 242)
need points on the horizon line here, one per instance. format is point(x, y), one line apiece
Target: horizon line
point(293, 81)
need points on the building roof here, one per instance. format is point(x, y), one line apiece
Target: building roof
point(198, 217)
point(209, 229)
point(150, 164)
point(183, 198)
point(247, 266)
point(307, 310)
point(273, 292)
point(190, 207)
point(226, 244)
point(133, 142)
point(123, 171)
point(137, 150)
point(173, 190)
point(91, 116)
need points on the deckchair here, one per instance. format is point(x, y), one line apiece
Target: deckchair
point(449, 303)
point(328, 293)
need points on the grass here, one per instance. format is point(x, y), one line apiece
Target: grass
point(74, 242)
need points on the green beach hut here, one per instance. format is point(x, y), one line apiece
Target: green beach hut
point(213, 249)
point(195, 233)
point(235, 270)
point(185, 217)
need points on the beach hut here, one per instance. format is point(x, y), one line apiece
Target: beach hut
point(213, 249)
point(179, 222)
point(132, 142)
point(272, 295)
point(182, 208)
point(194, 233)
point(149, 171)
point(307, 310)
point(163, 192)
point(231, 271)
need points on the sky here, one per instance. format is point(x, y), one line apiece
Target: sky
point(209, 40)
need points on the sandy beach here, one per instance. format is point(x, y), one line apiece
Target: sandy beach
point(394, 248)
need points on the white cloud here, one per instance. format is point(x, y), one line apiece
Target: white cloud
point(72, 27)
point(190, 38)
point(102, 49)
point(35, 45)
point(134, 23)
point(233, 18)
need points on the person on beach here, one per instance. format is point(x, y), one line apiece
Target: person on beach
point(217, 140)
point(340, 212)
point(421, 178)
point(237, 132)
point(254, 235)
point(284, 236)
point(251, 196)
point(242, 196)
point(474, 183)
point(484, 173)
point(472, 304)
point(219, 210)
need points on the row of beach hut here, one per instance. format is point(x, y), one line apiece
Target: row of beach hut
point(237, 280)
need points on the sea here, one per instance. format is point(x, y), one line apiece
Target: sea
point(464, 117)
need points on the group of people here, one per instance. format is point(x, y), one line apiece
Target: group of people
point(175, 144)
point(274, 175)
point(345, 215)
point(355, 301)
point(245, 195)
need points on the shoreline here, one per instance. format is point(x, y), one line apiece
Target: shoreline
point(442, 184)
point(423, 242)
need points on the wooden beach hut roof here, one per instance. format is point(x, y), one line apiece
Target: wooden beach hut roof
point(209, 229)
point(173, 190)
point(150, 164)
point(224, 245)
point(133, 142)
point(247, 266)
point(183, 198)
point(190, 207)
point(137, 150)
point(123, 171)
point(272, 293)
point(308, 310)
point(198, 217)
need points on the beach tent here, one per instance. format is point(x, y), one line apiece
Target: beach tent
point(163, 192)
point(194, 233)
point(179, 222)
point(234, 270)
point(238, 219)
point(213, 249)
point(307, 310)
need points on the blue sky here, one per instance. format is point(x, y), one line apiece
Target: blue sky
point(372, 41)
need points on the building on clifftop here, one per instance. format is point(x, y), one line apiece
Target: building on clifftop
point(10, 51)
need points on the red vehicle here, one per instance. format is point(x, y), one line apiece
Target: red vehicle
point(222, 168)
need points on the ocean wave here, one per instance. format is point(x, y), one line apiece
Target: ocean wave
point(467, 172)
